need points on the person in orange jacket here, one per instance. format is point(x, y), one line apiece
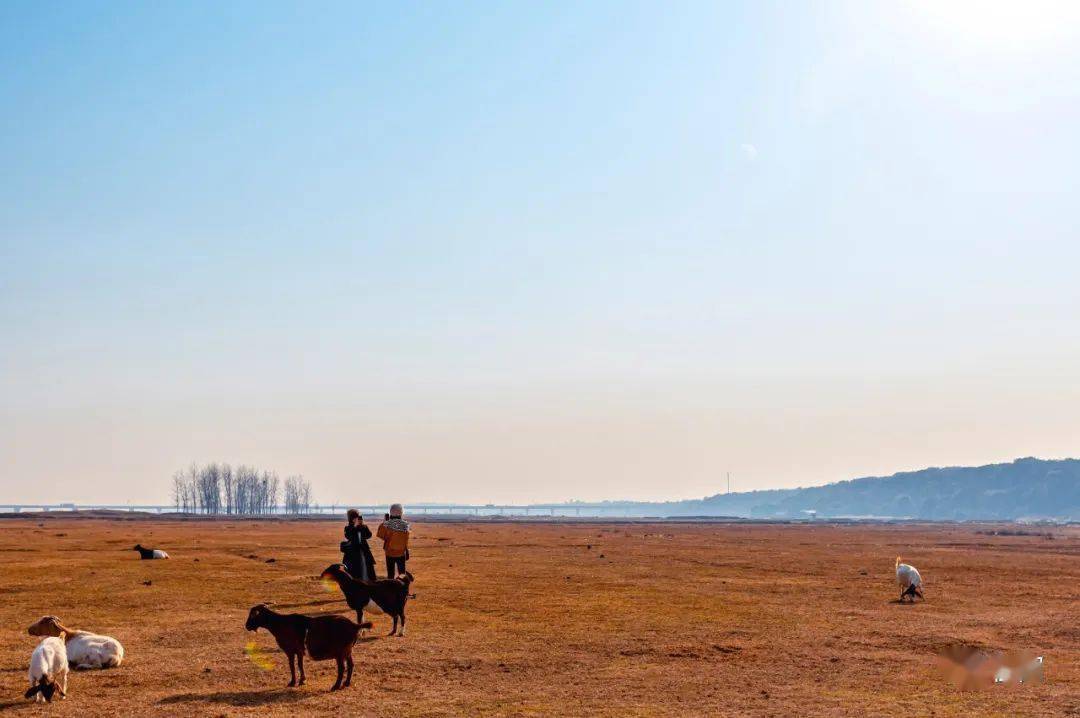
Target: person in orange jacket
point(394, 532)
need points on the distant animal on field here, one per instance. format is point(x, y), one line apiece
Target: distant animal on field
point(387, 595)
point(146, 554)
point(48, 670)
point(910, 581)
point(323, 637)
point(84, 649)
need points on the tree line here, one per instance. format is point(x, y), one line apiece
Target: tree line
point(243, 490)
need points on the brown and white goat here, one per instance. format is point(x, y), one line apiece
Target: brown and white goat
point(387, 595)
point(323, 637)
point(84, 649)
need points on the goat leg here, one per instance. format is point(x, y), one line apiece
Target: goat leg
point(340, 673)
point(292, 669)
point(349, 667)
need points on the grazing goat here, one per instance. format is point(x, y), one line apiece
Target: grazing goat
point(388, 594)
point(147, 554)
point(48, 670)
point(910, 581)
point(324, 637)
point(84, 649)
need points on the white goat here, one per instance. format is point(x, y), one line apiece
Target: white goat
point(84, 649)
point(909, 579)
point(48, 670)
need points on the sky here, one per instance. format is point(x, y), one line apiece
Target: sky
point(529, 252)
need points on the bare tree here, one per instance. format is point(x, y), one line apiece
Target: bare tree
point(193, 487)
point(227, 488)
point(209, 488)
point(180, 492)
point(244, 490)
point(305, 496)
point(297, 496)
point(273, 493)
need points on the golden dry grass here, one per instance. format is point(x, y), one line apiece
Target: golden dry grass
point(524, 619)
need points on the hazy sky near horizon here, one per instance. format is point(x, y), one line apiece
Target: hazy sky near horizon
point(534, 251)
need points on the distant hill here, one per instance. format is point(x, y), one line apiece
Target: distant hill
point(1025, 488)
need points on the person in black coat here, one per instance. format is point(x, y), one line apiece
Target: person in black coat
point(358, 559)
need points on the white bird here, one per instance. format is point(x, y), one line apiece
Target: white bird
point(909, 579)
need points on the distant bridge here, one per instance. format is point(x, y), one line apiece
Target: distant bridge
point(567, 509)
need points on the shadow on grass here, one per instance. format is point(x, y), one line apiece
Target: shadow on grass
point(241, 698)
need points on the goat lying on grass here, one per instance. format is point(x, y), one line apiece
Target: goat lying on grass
point(324, 637)
point(48, 670)
point(84, 649)
point(147, 554)
point(388, 594)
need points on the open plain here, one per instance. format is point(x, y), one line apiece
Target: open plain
point(591, 619)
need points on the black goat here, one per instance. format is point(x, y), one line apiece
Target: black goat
point(324, 637)
point(388, 594)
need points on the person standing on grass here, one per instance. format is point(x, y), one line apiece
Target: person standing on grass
point(358, 559)
point(394, 532)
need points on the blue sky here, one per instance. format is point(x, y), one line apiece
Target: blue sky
point(534, 251)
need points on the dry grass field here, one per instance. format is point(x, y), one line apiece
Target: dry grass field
point(527, 619)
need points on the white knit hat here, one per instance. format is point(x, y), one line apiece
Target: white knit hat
point(395, 510)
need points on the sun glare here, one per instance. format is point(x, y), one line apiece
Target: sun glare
point(1025, 26)
point(259, 656)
